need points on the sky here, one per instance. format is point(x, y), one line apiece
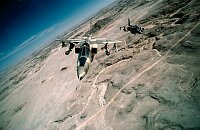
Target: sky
point(26, 25)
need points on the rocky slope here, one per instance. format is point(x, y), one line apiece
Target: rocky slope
point(151, 83)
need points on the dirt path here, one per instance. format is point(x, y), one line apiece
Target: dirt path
point(133, 79)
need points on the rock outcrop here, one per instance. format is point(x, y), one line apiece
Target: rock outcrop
point(151, 83)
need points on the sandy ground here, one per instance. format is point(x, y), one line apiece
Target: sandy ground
point(151, 83)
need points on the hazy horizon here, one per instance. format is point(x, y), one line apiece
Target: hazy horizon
point(25, 31)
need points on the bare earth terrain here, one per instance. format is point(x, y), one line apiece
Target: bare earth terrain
point(151, 83)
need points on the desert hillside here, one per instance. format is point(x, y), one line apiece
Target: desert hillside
point(151, 83)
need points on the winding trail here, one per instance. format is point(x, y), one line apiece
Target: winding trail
point(134, 78)
point(93, 87)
